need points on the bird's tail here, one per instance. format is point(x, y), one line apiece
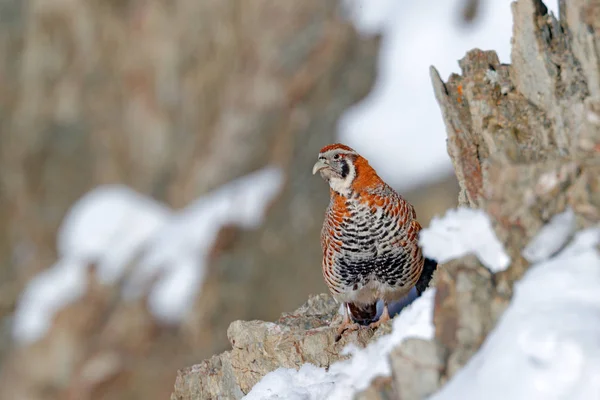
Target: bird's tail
point(428, 269)
point(363, 314)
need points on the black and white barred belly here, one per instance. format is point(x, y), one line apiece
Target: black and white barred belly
point(370, 249)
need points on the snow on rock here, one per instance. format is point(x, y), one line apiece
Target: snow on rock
point(551, 238)
point(464, 231)
point(107, 227)
point(309, 382)
point(345, 378)
point(546, 344)
point(177, 252)
point(44, 295)
point(116, 228)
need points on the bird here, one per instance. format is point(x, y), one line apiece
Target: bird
point(369, 240)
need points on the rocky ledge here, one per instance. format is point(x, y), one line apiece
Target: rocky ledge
point(259, 347)
point(303, 336)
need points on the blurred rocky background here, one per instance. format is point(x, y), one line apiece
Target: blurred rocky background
point(173, 99)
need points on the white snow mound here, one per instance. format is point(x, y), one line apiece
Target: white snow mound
point(116, 229)
point(551, 238)
point(546, 344)
point(464, 231)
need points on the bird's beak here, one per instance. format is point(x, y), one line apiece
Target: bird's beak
point(319, 165)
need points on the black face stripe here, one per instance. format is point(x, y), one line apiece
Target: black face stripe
point(345, 168)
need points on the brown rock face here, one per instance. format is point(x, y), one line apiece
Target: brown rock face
point(525, 142)
point(172, 99)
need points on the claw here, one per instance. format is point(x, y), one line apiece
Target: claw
point(346, 325)
point(385, 316)
point(350, 327)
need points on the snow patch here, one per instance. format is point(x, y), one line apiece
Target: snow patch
point(126, 235)
point(546, 345)
point(178, 251)
point(108, 226)
point(44, 296)
point(551, 237)
point(345, 378)
point(464, 231)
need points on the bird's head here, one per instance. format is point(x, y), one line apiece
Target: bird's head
point(337, 165)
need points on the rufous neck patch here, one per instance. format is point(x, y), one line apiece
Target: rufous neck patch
point(366, 177)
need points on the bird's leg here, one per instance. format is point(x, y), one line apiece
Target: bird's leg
point(385, 316)
point(347, 324)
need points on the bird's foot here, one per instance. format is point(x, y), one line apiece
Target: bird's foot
point(385, 317)
point(346, 326)
point(375, 325)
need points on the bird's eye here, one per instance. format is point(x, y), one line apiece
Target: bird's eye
point(336, 157)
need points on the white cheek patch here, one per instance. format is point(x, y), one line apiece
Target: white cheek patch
point(343, 186)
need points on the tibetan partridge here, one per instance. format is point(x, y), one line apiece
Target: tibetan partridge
point(369, 239)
